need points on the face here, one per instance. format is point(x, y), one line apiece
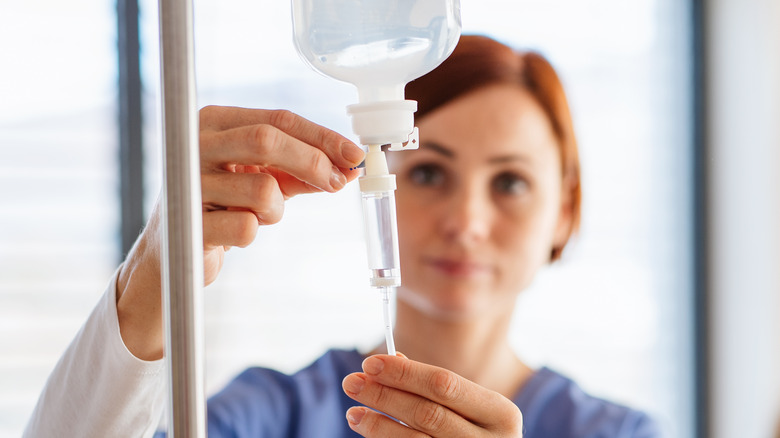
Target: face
point(480, 204)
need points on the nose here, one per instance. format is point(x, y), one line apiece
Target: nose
point(467, 216)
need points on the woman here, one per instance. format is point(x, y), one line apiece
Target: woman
point(491, 196)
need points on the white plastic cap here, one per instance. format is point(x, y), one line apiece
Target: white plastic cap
point(377, 184)
point(385, 281)
point(377, 177)
point(386, 122)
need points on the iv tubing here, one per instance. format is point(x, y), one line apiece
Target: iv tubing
point(388, 322)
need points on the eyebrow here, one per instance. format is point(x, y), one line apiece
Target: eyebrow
point(449, 153)
point(435, 147)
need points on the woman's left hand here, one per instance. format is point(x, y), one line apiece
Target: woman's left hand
point(430, 401)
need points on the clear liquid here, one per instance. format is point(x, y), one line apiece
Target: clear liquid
point(379, 62)
point(381, 238)
point(375, 42)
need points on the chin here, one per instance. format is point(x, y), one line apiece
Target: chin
point(454, 304)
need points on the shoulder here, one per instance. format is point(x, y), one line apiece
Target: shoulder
point(555, 406)
point(264, 399)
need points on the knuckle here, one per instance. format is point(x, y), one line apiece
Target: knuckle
point(270, 203)
point(370, 424)
point(319, 163)
point(264, 138)
point(206, 113)
point(283, 119)
point(246, 230)
point(382, 397)
point(272, 215)
point(446, 386)
point(517, 419)
point(430, 417)
point(262, 187)
point(405, 371)
point(329, 139)
point(512, 422)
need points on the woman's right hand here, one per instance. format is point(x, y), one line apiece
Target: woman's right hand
point(251, 161)
point(254, 160)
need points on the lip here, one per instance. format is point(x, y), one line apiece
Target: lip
point(458, 268)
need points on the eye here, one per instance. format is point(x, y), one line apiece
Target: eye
point(427, 175)
point(510, 184)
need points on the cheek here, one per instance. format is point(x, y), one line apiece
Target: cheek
point(522, 254)
point(414, 207)
point(413, 223)
point(417, 236)
point(526, 241)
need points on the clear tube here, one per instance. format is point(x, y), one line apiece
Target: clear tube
point(382, 245)
point(381, 238)
point(377, 187)
point(388, 321)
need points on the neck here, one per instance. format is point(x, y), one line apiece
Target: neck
point(477, 348)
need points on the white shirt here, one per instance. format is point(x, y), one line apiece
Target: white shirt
point(98, 388)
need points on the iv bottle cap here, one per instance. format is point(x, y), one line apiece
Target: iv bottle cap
point(383, 122)
point(377, 178)
point(377, 184)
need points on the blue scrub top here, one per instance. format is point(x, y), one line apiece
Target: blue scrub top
point(262, 403)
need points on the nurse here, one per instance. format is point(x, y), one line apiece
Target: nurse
point(489, 199)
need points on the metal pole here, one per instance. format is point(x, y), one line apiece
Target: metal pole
point(182, 252)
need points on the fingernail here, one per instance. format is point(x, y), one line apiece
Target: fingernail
point(354, 416)
point(337, 179)
point(353, 383)
point(373, 366)
point(352, 153)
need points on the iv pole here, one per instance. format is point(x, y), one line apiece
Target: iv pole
point(182, 251)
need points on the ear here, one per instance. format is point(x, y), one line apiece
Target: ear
point(566, 216)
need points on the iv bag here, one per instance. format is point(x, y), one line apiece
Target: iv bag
point(377, 45)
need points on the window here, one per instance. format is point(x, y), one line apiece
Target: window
point(58, 181)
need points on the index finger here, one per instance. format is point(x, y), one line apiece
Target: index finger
point(442, 386)
point(341, 151)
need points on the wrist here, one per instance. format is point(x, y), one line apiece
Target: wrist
point(139, 298)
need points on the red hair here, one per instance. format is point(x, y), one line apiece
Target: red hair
point(479, 61)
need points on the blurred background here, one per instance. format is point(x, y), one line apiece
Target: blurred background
point(668, 301)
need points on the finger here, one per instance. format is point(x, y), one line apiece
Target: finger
point(463, 396)
point(257, 192)
point(267, 146)
point(288, 184)
point(339, 149)
point(291, 186)
point(229, 228)
point(373, 424)
point(417, 412)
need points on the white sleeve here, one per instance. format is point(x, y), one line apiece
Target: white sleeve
point(98, 388)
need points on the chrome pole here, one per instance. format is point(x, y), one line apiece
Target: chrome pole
point(182, 252)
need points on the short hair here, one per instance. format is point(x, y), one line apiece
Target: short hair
point(478, 61)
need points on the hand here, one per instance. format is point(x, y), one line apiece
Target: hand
point(251, 162)
point(430, 401)
point(254, 160)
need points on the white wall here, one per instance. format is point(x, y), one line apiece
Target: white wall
point(744, 165)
